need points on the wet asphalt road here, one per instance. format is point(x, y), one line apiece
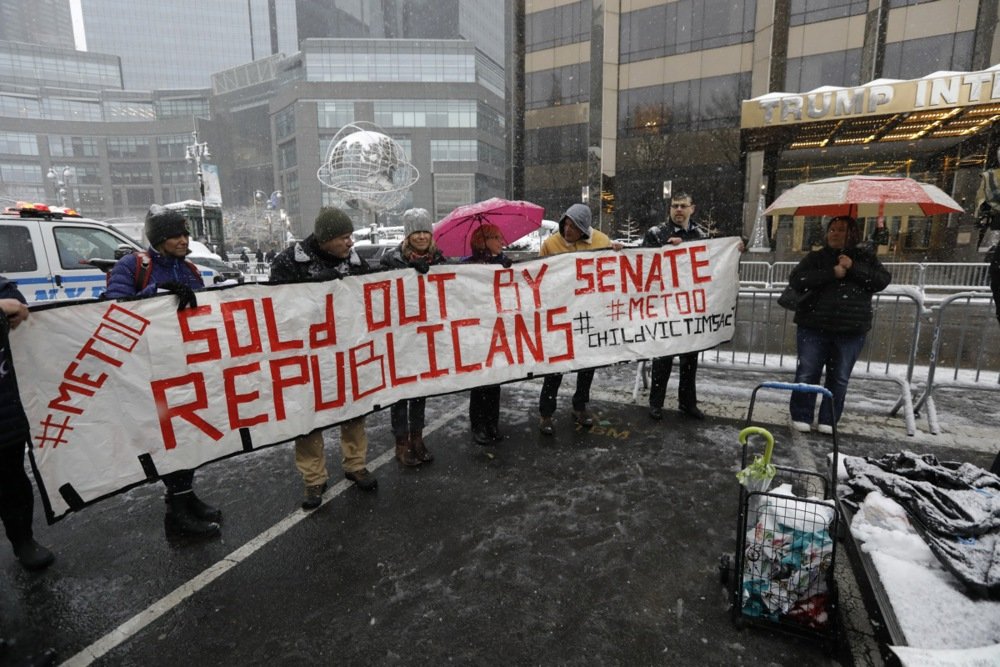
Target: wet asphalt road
point(597, 547)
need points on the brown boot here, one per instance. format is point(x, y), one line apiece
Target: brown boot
point(419, 448)
point(404, 452)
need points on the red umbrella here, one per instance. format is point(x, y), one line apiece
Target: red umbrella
point(514, 219)
point(865, 197)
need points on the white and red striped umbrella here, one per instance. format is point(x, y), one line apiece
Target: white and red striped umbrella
point(864, 197)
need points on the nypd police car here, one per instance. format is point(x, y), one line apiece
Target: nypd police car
point(48, 252)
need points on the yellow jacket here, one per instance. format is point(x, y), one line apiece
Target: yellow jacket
point(556, 244)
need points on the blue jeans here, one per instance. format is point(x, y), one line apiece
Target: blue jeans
point(836, 353)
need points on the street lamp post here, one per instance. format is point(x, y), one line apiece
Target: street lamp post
point(197, 152)
point(60, 177)
point(273, 202)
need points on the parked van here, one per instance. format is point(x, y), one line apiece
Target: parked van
point(46, 251)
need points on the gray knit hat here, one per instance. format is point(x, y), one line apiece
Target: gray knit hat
point(331, 223)
point(164, 223)
point(579, 214)
point(417, 220)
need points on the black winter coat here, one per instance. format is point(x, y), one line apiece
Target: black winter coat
point(14, 430)
point(304, 262)
point(842, 306)
point(657, 237)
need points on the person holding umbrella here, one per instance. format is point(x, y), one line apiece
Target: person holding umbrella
point(484, 402)
point(575, 234)
point(841, 278)
point(419, 252)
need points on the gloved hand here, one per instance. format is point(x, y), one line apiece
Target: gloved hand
point(185, 295)
point(505, 261)
point(421, 266)
point(328, 274)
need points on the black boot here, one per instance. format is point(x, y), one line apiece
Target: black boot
point(32, 555)
point(182, 518)
point(203, 510)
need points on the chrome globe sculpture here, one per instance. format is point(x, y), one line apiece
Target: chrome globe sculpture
point(366, 168)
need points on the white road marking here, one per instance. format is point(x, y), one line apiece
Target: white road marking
point(150, 614)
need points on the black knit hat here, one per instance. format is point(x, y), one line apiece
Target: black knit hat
point(164, 223)
point(331, 223)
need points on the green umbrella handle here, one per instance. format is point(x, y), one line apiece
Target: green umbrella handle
point(757, 430)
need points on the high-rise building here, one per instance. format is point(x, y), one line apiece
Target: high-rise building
point(45, 22)
point(180, 44)
point(632, 99)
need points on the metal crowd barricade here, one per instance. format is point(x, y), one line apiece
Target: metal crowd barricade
point(955, 275)
point(764, 340)
point(964, 352)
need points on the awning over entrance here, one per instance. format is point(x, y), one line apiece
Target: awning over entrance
point(950, 106)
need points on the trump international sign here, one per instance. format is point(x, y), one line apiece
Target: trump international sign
point(878, 97)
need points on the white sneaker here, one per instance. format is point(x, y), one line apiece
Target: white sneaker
point(802, 427)
point(825, 428)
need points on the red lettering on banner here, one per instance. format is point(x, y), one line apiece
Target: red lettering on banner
point(631, 272)
point(504, 279)
point(280, 383)
point(61, 401)
point(655, 277)
point(697, 264)
point(522, 338)
point(186, 411)
point(395, 380)
point(639, 306)
point(384, 287)
point(356, 365)
point(213, 351)
point(319, 402)
point(499, 344)
point(89, 349)
point(271, 323)
point(535, 283)
point(324, 334)
point(565, 327)
point(439, 280)
point(457, 345)
point(229, 310)
point(119, 329)
point(603, 273)
point(83, 378)
point(421, 315)
point(122, 318)
point(583, 274)
point(429, 332)
point(671, 255)
point(234, 399)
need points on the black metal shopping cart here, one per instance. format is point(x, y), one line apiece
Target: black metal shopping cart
point(782, 576)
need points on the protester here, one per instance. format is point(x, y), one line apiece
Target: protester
point(16, 497)
point(244, 257)
point(419, 252)
point(259, 255)
point(678, 229)
point(163, 267)
point(326, 254)
point(840, 279)
point(484, 402)
point(575, 234)
point(994, 274)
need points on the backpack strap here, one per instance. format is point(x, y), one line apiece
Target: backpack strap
point(143, 270)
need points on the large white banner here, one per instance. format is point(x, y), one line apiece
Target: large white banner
point(119, 392)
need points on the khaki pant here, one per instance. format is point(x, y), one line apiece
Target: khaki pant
point(310, 457)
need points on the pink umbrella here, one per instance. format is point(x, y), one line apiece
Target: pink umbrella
point(514, 219)
point(864, 196)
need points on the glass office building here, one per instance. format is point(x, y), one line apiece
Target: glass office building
point(623, 97)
